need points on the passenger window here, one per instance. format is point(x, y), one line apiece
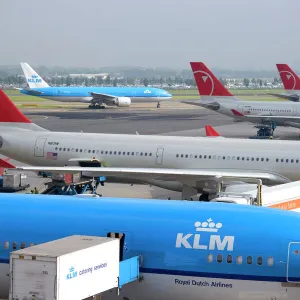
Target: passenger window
point(286, 160)
point(132, 153)
point(204, 156)
point(297, 161)
point(146, 154)
point(238, 158)
point(110, 152)
point(64, 149)
point(76, 150)
point(128, 153)
point(80, 150)
point(177, 155)
point(181, 155)
point(115, 152)
point(124, 153)
point(224, 157)
point(277, 160)
point(292, 160)
point(94, 151)
point(56, 148)
point(239, 260)
point(31, 244)
point(259, 260)
point(6, 245)
point(209, 157)
point(219, 258)
point(209, 258)
point(150, 154)
point(262, 159)
point(120, 152)
point(68, 149)
point(229, 259)
point(267, 159)
point(200, 156)
point(59, 149)
point(14, 245)
point(270, 261)
point(141, 153)
point(257, 158)
point(23, 245)
point(89, 151)
point(249, 260)
point(282, 160)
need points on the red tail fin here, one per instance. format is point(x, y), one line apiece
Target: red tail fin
point(208, 84)
point(210, 131)
point(9, 112)
point(289, 78)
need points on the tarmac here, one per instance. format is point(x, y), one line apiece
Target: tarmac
point(170, 119)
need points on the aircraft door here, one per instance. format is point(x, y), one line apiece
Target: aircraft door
point(293, 262)
point(159, 155)
point(39, 147)
point(241, 108)
point(295, 111)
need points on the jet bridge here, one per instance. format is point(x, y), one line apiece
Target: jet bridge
point(75, 267)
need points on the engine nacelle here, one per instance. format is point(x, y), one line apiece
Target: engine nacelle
point(123, 101)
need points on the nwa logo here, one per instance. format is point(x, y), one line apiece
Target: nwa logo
point(205, 82)
point(34, 79)
point(207, 238)
point(72, 273)
point(290, 82)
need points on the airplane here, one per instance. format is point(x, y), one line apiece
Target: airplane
point(95, 96)
point(216, 250)
point(291, 83)
point(185, 164)
point(214, 96)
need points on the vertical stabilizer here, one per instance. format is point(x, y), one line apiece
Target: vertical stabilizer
point(33, 79)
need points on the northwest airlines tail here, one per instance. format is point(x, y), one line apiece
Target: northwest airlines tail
point(33, 79)
point(290, 80)
point(12, 118)
point(291, 83)
point(209, 86)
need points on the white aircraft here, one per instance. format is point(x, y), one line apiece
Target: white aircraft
point(186, 164)
point(215, 96)
point(291, 83)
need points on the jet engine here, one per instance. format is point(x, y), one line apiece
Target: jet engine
point(123, 101)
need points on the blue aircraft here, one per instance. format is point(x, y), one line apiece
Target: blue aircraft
point(95, 96)
point(190, 250)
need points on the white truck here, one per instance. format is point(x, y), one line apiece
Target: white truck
point(74, 268)
point(284, 196)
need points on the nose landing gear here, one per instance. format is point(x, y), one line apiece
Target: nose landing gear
point(158, 105)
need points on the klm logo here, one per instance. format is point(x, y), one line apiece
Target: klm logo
point(72, 273)
point(34, 79)
point(147, 92)
point(205, 229)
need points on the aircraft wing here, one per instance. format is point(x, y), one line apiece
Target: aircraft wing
point(97, 97)
point(182, 175)
point(294, 98)
point(272, 118)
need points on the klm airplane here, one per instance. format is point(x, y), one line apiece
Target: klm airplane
point(189, 250)
point(95, 96)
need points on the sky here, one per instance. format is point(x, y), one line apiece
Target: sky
point(229, 34)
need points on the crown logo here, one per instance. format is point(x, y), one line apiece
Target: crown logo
point(34, 76)
point(208, 226)
point(147, 92)
point(71, 269)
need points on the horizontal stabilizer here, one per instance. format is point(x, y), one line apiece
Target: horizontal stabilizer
point(294, 98)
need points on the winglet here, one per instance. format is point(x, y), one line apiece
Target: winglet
point(5, 164)
point(210, 131)
point(289, 78)
point(208, 84)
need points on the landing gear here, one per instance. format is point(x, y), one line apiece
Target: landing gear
point(96, 106)
point(204, 197)
point(158, 105)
